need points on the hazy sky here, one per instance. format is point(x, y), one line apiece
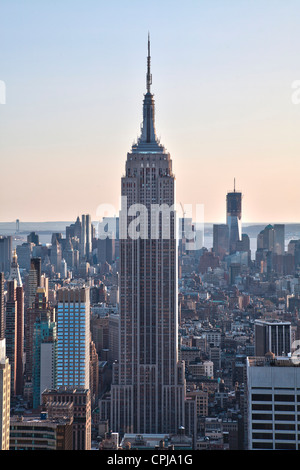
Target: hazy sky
point(75, 75)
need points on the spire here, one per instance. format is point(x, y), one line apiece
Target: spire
point(148, 140)
point(149, 75)
point(234, 185)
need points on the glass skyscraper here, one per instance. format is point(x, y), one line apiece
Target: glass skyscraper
point(73, 337)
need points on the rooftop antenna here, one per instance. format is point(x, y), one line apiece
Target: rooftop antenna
point(149, 75)
point(234, 185)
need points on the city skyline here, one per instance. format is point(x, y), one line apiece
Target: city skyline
point(223, 82)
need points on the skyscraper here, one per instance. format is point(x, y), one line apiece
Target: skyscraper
point(86, 237)
point(5, 253)
point(148, 380)
point(234, 217)
point(221, 240)
point(272, 336)
point(44, 357)
point(279, 236)
point(4, 397)
point(5, 379)
point(19, 295)
point(11, 331)
point(34, 280)
point(73, 337)
point(39, 312)
point(2, 310)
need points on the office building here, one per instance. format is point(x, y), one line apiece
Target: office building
point(148, 385)
point(279, 237)
point(234, 218)
point(34, 280)
point(40, 312)
point(24, 253)
point(5, 253)
point(19, 297)
point(5, 382)
point(273, 396)
point(11, 331)
point(86, 237)
point(2, 306)
point(56, 255)
point(73, 337)
point(272, 336)
point(44, 357)
point(41, 433)
point(221, 240)
point(106, 250)
point(33, 238)
point(74, 230)
point(81, 406)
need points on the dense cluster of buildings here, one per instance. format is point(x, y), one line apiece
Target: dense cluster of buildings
point(124, 342)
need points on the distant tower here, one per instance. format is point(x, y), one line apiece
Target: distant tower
point(83, 237)
point(17, 226)
point(221, 240)
point(19, 295)
point(34, 279)
point(5, 253)
point(279, 237)
point(11, 331)
point(234, 217)
point(86, 237)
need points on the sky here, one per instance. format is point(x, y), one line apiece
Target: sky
point(75, 77)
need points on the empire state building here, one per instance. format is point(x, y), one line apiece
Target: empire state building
point(148, 386)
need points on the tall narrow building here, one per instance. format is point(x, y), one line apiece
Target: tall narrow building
point(2, 309)
point(4, 397)
point(11, 326)
point(5, 379)
point(73, 337)
point(19, 294)
point(148, 388)
point(234, 218)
